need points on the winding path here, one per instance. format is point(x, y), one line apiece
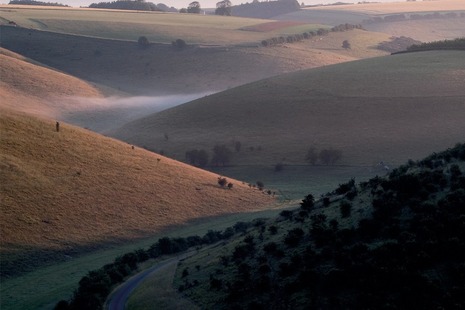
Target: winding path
point(117, 300)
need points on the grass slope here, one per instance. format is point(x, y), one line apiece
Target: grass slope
point(30, 87)
point(69, 191)
point(381, 109)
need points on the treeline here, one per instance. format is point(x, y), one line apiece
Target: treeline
point(409, 254)
point(457, 44)
point(403, 17)
point(308, 35)
point(126, 5)
point(325, 156)
point(268, 9)
point(95, 287)
point(32, 2)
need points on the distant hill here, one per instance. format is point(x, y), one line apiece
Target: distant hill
point(393, 242)
point(161, 69)
point(420, 20)
point(372, 110)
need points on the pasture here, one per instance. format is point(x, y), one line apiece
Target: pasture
point(373, 110)
point(157, 27)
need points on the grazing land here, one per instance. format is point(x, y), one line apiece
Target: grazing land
point(372, 110)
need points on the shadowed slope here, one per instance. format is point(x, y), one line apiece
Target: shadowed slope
point(381, 109)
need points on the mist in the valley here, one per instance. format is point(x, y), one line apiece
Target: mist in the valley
point(105, 114)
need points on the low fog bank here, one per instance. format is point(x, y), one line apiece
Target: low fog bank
point(106, 114)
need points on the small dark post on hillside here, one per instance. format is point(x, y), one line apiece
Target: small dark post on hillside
point(57, 125)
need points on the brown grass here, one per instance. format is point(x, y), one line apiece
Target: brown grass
point(75, 188)
point(29, 87)
point(73, 180)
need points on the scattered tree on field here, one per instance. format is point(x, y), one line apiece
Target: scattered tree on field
point(346, 44)
point(222, 181)
point(278, 167)
point(221, 155)
point(143, 42)
point(312, 155)
point(198, 158)
point(237, 146)
point(194, 7)
point(179, 43)
point(330, 156)
point(260, 185)
point(223, 8)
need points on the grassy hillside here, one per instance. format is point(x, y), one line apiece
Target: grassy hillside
point(375, 17)
point(162, 69)
point(129, 25)
point(30, 87)
point(382, 109)
point(222, 52)
point(395, 242)
point(70, 191)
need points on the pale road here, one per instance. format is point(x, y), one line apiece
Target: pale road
point(117, 300)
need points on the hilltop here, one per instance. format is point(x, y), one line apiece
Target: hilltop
point(372, 110)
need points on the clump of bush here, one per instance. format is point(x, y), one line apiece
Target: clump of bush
point(179, 44)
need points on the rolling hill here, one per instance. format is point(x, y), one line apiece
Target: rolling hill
point(31, 87)
point(100, 46)
point(380, 109)
point(67, 192)
point(162, 70)
point(425, 21)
